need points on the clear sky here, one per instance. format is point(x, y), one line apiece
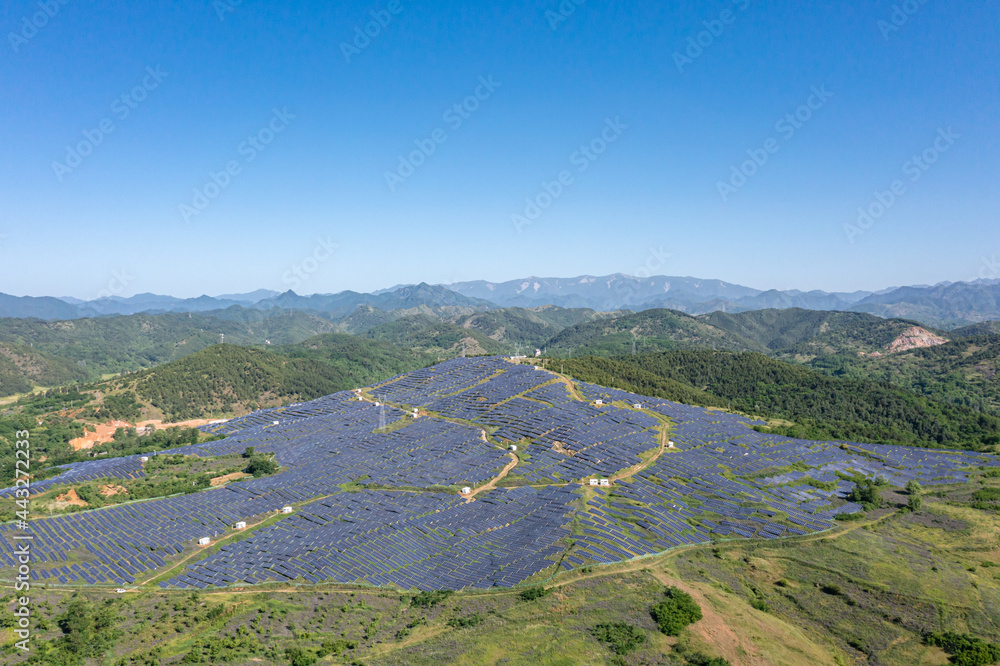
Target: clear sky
point(318, 123)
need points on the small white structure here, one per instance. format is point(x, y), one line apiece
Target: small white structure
point(144, 459)
point(637, 405)
point(670, 445)
point(204, 541)
point(605, 483)
point(595, 482)
point(416, 412)
point(466, 490)
point(361, 397)
point(286, 509)
point(599, 403)
point(276, 422)
point(121, 590)
point(538, 352)
point(241, 525)
point(513, 447)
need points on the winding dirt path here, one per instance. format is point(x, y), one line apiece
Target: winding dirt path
point(493, 482)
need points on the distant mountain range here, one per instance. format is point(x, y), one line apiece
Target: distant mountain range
point(946, 306)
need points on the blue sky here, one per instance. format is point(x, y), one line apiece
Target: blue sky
point(189, 88)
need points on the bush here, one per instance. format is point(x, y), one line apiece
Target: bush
point(623, 638)
point(261, 465)
point(676, 612)
point(965, 650)
point(699, 659)
point(429, 599)
point(915, 503)
point(473, 620)
point(299, 657)
point(533, 593)
point(867, 493)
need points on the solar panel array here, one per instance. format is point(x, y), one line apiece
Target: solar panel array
point(373, 505)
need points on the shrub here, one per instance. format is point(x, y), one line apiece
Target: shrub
point(676, 612)
point(623, 638)
point(699, 659)
point(533, 593)
point(299, 657)
point(464, 622)
point(867, 493)
point(965, 650)
point(429, 599)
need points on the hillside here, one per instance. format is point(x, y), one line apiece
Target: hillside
point(964, 372)
point(650, 330)
point(946, 305)
point(23, 368)
point(819, 406)
point(127, 343)
point(806, 334)
point(429, 334)
point(227, 380)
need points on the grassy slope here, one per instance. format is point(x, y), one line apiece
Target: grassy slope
point(863, 593)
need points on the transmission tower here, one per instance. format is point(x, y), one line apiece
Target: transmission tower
point(222, 338)
point(633, 346)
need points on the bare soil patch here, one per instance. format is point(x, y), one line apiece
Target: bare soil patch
point(223, 480)
point(69, 498)
point(104, 433)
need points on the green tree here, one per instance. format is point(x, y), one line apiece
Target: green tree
point(676, 612)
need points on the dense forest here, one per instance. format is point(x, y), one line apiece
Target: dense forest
point(821, 407)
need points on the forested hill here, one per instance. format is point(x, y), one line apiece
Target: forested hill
point(819, 406)
point(227, 380)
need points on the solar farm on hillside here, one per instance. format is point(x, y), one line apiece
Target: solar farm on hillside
point(385, 506)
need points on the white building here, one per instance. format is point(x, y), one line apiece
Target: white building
point(276, 422)
point(595, 482)
point(513, 447)
point(286, 509)
point(599, 402)
point(466, 490)
point(637, 405)
point(605, 483)
point(144, 459)
point(204, 541)
point(670, 445)
point(241, 525)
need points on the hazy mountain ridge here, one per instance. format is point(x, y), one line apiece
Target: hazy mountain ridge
point(946, 305)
